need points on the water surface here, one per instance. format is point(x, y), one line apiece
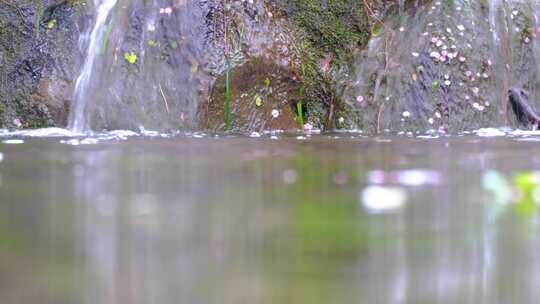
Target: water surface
point(337, 218)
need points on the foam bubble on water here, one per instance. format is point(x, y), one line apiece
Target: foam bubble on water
point(89, 141)
point(150, 133)
point(45, 132)
point(489, 132)
point(13, 141)
point(533, 139)
point(198, 135)
point(77, 142)
point(525, 132)
point(72, 142)
point(122, 133)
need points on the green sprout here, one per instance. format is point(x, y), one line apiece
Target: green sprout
point(228, 97)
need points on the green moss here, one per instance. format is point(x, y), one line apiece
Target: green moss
point(32, 115)
point(317, 91)
point(10, 40)
point(334, 26)
point(337, 28)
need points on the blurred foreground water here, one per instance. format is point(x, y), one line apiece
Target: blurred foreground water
point(334, 218)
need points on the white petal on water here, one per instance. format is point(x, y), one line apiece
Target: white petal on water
point(379, 199)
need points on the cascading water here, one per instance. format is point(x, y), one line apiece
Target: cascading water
point(143, 67)
point(446, 66)
point(82, 86)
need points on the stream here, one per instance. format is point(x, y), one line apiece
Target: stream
point(124, 217)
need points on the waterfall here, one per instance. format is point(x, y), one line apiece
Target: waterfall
point(144, 67)
point(77, 120)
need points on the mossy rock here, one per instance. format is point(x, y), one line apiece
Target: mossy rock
point(335, 26)
point(31, 114)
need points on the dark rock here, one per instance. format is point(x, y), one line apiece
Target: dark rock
point(259, 87)
point(519, 101)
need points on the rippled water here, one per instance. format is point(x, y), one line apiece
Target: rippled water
point(123, 217)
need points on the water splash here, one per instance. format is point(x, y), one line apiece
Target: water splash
point(82, 87)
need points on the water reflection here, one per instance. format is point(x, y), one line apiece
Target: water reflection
point(201, 220)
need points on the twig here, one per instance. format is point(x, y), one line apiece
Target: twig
point(371, 15)
point(379, 118)
point(164, 99)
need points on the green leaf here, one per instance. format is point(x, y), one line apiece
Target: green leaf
point(130, 57)
point(258, 101)
point(51, 24)
point(174, 45)
point(152, 43)
point(376, 31)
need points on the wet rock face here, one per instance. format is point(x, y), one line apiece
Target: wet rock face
point(446, 66)
point(280, 53)
point(38, 59)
